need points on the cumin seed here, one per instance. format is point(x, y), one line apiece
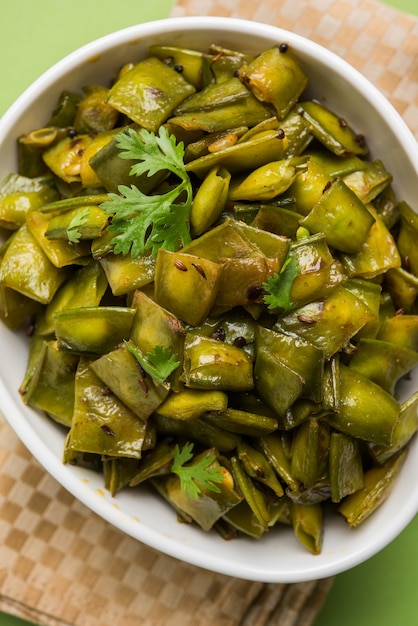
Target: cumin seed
point(106, 429)
point(180, 265)
point(306, 320)
point(199, 269)
point(143, 384)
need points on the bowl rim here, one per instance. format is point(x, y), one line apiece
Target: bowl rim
point(326, 56)
point(9, 403)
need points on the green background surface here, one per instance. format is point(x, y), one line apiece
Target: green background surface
point(33, 36)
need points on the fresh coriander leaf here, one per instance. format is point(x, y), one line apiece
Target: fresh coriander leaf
point(159, 364)
point(154, 152)
point(133, 219)
point(196, 475)
point(164, 361)
point(80, 218)
point(278, 286)
point(170, 229)
point(144, 222)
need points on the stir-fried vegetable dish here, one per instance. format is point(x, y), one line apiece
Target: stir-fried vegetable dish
point(219, 286)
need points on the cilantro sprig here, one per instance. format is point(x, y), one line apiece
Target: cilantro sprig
point(159, 363)
point(197, 475)
point(279, 285)
point(79, 219)
point(142, 222)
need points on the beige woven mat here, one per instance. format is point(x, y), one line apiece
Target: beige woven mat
point(60, 564)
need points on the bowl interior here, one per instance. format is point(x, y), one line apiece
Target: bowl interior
point(278, 557)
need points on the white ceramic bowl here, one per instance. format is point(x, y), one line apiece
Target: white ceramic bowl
point(278, 557)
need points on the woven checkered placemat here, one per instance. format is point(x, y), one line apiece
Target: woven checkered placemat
point(60, 564)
